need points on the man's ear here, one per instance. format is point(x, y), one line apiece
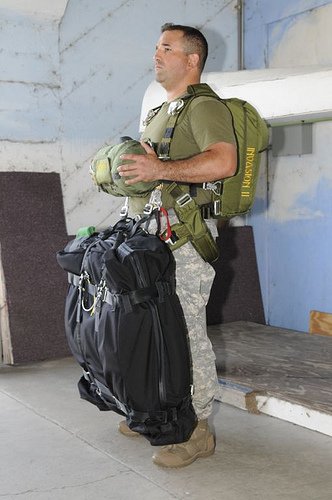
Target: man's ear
point(193, 60)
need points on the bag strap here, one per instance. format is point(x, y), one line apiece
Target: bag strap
point(192, 226)
point(150, 417)
point(174, 111)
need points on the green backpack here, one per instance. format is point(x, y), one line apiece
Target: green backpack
point(104, 170)
point(234, 195)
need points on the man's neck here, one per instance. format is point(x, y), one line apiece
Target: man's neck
point(178, 91)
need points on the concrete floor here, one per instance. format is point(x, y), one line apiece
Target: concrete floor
point(53, 446)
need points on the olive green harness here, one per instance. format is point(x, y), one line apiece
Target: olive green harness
point(192, 203)
point(223, 198)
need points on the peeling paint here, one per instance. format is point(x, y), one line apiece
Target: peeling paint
point(313, 28)
point(261, 15)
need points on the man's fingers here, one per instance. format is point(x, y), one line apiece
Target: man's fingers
point(128, 157)
point(148, 148)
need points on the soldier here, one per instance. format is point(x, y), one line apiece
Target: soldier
point(203, 150)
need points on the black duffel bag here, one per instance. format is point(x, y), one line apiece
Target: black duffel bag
point(125, 327)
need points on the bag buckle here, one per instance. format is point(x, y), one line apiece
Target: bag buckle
point(215, 187)
point(184, 199)
point(154, 201)
point(87, 375)
point(148, 209)
point(217, 207)
point(101, 291)
point(175, 107)
point(172, 239)
point(125, 209)
point(83, 277)
point(155, 197)
point(164, 157)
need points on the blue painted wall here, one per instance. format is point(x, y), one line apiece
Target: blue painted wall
point(267, 23)
point(292, 216)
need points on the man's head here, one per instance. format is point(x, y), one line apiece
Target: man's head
point(194, 41)
point(180, 56)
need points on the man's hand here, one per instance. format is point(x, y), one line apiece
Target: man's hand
point(218, 161)
point(144, 168)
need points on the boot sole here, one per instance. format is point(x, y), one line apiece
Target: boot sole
point(130, 435)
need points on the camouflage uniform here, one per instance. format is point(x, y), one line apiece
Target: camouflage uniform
point(196, 278)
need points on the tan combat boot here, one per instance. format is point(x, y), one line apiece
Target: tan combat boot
point(200, 444)
point(126, 431)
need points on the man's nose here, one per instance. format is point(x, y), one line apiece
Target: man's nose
point(156, 56)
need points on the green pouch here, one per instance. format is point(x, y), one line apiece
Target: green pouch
point(193, 228)
point(104, 170)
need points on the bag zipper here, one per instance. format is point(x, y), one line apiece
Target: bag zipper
point(159, 337)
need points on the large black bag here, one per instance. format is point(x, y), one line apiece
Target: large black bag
point(125, 327)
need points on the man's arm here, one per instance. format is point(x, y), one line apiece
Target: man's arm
point(218, 161)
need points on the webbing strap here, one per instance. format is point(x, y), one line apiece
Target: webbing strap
point(129, 299)
point(174, 110)
point(104, 393)
point(174, 189)
point(165, 143)
point(192, 226)
point(162, 416)
point(73, 279)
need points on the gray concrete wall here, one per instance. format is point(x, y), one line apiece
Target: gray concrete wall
point(73, 78)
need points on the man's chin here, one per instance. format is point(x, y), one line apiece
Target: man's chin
point(160, 80)
point(159, 74)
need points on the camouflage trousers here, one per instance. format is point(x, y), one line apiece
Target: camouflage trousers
point(194, 279)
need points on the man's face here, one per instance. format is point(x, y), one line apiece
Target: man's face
point(171, 61)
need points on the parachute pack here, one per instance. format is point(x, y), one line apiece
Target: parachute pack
point(234, 195)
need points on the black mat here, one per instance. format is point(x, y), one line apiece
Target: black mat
point(32, 229)
point(236, 293)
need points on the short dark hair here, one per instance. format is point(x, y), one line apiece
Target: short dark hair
point(195, 40)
